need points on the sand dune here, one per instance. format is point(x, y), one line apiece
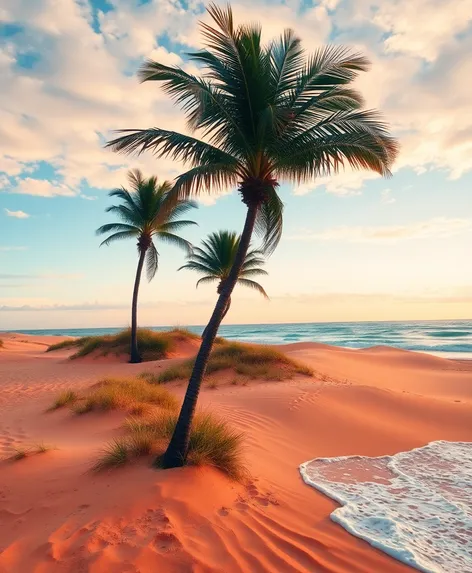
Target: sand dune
point(54, 516)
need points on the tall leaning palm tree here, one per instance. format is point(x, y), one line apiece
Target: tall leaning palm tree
point(265, 113)
point(215, 259)
point(148, 211)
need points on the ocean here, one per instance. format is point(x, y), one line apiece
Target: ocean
point(416, 505)
point(447, 338)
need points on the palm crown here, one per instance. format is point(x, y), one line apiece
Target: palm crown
point(264, 113)
point(215, 259)
point(147, 212)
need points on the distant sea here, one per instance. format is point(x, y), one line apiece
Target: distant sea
point(447, 338)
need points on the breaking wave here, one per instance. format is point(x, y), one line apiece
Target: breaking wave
point(416, 505)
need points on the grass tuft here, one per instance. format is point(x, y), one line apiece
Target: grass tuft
point(65, 398)
point(150, 377)
point(22, 452)
point(251, 361)
point(212, 442)
point(42, 448)
point(113, 455)
point(133, 395)
point(64, 344)
point(152, 345)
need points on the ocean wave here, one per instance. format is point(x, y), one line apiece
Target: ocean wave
point(440, 347)
point(416, 505)
point(435, 336)
point(450, 333)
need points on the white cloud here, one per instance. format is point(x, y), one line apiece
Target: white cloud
point(386, 197)
point(42, 188)
point(344, 183)
point(438, 227)
point(17, 214)
point(421, 28)
point(83, 86)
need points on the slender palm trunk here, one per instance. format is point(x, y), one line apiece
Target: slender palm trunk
point(134, 351)
point(222, 318)
point(176, 452)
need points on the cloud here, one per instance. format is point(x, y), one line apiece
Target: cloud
point(343, 184)
point(46, 276)
point(6, 249)
point(386, 197)
point(42, 188)
point(63, 307)
point(82, 85)
point(438, 227)
point(17, 214)
point(419, 36)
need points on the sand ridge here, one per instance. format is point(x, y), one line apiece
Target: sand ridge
point(56, 516)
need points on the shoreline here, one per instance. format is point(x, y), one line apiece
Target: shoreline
point(58, 517)
point(450, 339)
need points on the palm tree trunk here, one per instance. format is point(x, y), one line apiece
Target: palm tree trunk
point(134, 351)
point(222, 318)
point(176, 453)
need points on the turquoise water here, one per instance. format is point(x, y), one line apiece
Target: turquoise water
point(451, 338)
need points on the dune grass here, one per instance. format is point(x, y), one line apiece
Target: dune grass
point(150, 377)
point(69, 343)
point(65, 398)
point(249, 361)
point(152, 345)
point(22, 452)
point(212, 442)
point(133, 395)
point(1, 343)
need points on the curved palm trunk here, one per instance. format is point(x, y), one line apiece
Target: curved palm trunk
point(222, 318)
point(134, 351)
point(176, 452)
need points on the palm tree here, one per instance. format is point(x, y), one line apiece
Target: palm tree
point(265, 113)
point(215, 260)
point(147, 212)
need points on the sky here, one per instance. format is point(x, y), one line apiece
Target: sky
point(354, 247)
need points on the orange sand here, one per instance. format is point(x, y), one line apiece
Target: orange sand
point(56, 517)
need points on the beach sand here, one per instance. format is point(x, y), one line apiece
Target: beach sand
point(55, 516)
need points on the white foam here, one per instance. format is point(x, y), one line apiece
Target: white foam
point(416, 505)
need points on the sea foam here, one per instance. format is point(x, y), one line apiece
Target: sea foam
point(416, 505)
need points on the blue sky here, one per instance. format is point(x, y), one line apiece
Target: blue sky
point(355, 247)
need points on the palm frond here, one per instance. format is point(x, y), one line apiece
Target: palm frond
point(269, 222)
point(117, 227)
point(193, 265)
point(287, 62)
point(118, 237)
point(166, 143)
point(254, 285)
point(252, 272)
point(204, 280)
point(205, 178)
point(175, 240)
point(152, 262)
